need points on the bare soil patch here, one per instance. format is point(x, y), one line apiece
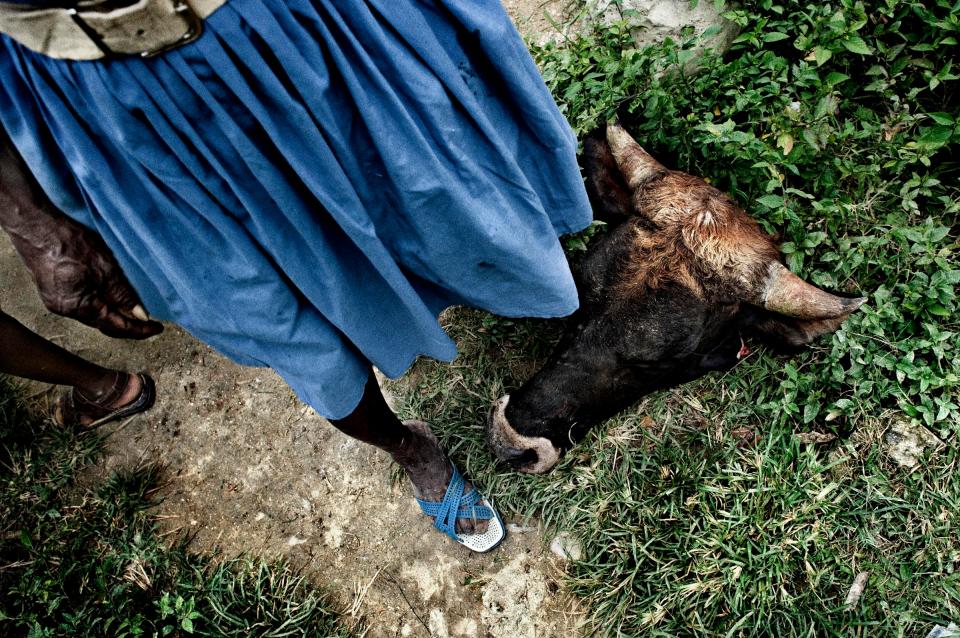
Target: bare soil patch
point(253, 470)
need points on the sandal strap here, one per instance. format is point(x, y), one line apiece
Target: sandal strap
point(478, 512)
point(455, 504)
point(120, 382)
point(69, 412)
point(470, 506)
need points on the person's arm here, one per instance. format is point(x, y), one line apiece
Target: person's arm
point(75, 273)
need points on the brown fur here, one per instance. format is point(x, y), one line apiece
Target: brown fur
point(655, 260)
point(700, 240)
point(666, 297)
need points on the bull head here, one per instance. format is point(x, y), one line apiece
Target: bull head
point(665, 297)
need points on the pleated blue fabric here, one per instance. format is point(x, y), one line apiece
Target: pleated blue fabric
point(311, 182)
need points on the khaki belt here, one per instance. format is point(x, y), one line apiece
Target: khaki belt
point(144, 28)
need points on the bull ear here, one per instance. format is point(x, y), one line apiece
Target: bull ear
point(609, 195)
point(785, 293)
point(793, 333)
point(635, 164)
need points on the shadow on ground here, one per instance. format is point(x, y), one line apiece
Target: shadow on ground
point(252, 470)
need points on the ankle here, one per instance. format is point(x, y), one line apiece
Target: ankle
point(408, 456)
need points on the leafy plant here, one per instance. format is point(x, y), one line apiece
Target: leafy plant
point(700, 513)
point(835, 124)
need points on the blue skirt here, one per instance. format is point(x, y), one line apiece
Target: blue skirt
point(311, 182)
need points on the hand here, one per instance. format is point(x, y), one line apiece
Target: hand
point(74, 270)
point(78, 277)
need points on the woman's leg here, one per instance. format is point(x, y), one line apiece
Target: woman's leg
point(24, 353)
point(414, 448)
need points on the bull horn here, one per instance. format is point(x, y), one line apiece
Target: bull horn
point(787, 294)
point(509, 445)
point(636, 165)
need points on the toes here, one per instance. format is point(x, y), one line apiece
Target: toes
point(469, 526)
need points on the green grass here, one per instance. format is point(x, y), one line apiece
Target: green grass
point(836, 125)
point(687, 531)
point(80, 560)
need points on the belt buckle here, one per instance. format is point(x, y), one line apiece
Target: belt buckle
point(192, 21)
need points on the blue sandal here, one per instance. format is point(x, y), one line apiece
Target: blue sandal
point(456, 504)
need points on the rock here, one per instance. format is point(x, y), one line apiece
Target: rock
point(906, 442)
point(566, 547)
point(514, 528)
point(652, 21)
point(856, 590)
point(944, 632)
point(810, 438)
point(438, 624)
point(656, 20)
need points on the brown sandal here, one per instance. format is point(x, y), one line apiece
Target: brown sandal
point(72, 406)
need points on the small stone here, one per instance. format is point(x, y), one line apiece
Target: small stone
point(950, 631)
point(856, 590)
point(438, 624)
point(816, 437)
point(465, 628)
point(566, 547)
point(906, 442)
point(513, 528)
point(293, 541)
point(333, 537)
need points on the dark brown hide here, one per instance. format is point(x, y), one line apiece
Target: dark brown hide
point(665, 297)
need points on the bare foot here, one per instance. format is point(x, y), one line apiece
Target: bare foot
point(429, 470)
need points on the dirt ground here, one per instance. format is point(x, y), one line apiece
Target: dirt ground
point(251, 469)
point(538, 18)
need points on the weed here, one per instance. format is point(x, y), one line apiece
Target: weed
point(836, 125)
point(89, 561)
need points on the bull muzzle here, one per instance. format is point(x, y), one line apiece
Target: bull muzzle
point(530, 454)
